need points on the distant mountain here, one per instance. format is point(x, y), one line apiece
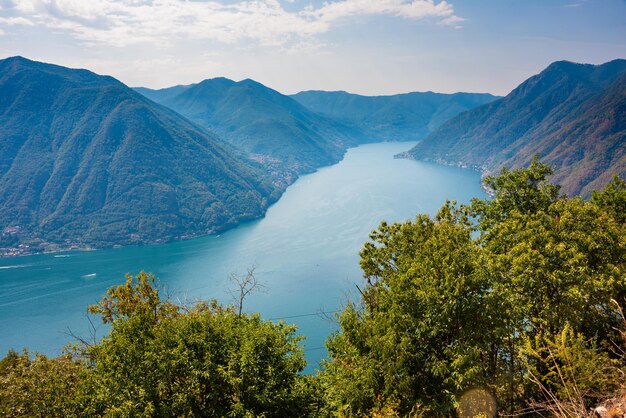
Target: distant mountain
point(273, 127)
point(572, 115)
point(400, 117)
point(162, 94)
point(85, 160)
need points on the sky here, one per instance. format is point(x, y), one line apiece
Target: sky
point(368, 47)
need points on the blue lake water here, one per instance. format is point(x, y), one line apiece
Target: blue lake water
point(305, 251)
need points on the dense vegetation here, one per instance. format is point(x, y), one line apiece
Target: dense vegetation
point(272, 127)
point(400, 117)
point(572, 115)
point(496, 294)
point(161, 359)
point(85, 160)
point(518, 296)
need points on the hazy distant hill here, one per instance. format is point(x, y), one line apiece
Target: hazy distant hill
point(162, 94)
point(271, 126)
point(572, 115)
point(400, 117)
point(85, 158)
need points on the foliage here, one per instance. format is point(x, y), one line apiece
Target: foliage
point(518, 191)
point(612, 199)
point(424, 288)
point(579, 375)
point(515, 297)
point(475, 296)
point(137, 297)
point(204, 361)
point(39, 386)
point(162, 360)
point(209, 362)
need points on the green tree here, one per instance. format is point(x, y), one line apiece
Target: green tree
point(164, 360)
point(523, 191)
point(416, 339)
point(612, 199)
point(453, 302)
point(138, 296)
point(512, 296)
point(557, 265)
point(37, 386)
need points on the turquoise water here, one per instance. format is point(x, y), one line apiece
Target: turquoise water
point(305, 251)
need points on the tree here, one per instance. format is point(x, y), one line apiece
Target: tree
point(517, 296)
point(204, 360)
point(463, 299)
point(416, 339)
point(612, 199)
point(523, 191)
point(37, 386)
point(137, 296)
point(244, 285)
point(555, 266)
point(161, 360)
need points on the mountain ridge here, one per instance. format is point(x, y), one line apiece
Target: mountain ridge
point(85, 160)
point(399, 117)
point(544, 115)
point(270, 126)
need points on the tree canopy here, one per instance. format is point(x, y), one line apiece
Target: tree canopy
point(161, 360)
point(475, 296)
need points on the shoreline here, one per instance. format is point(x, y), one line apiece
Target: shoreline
point(74, 247)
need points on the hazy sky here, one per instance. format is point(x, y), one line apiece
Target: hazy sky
point(362, 46)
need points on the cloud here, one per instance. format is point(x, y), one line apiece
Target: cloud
point(125, 22)
point(453, 21)
point(412, 9)
point(575, 4)
point(12, 21)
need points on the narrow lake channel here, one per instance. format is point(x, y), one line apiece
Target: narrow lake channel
point(305, 251)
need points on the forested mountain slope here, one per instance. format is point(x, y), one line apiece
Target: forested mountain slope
point(272, 127)
point(572, 115)
point(86, 160)
point(400, 117)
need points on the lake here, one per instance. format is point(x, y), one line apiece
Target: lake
point(305, 251)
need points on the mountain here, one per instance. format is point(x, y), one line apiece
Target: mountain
point(162, 94)
point(272, 127)
point(400, 117)
point(572, 115)
point(85, 160)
